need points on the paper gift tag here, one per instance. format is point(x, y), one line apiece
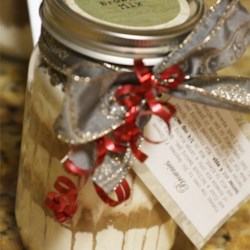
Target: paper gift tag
point(200, 172)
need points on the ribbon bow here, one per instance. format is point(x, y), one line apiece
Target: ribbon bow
point(140, 100)
point(105, 132)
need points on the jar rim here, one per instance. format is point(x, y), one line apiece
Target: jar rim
point(111, 43)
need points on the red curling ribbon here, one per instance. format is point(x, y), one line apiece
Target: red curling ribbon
point(71, 168)
point(122, 193)
point(111, 146)
point(175, 73)
point(129, 134)
point(64, 203)
point(131, 96)
point(136, 151)
point(163, 110)
point(142, 71)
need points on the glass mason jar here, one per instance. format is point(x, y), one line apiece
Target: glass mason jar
point(90, 39)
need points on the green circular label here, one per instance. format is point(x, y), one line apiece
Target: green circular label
point(135, 13)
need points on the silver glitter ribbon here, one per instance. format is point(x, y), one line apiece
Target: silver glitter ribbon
point(91, 111)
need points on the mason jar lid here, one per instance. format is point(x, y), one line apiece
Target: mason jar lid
point(118, 31)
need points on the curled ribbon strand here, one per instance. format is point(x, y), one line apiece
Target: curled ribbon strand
point(63, 203)
point(132, 96)
point(71, 168)
point(122, 193)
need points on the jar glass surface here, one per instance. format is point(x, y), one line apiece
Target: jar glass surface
point(73, 35)
point(95, 225)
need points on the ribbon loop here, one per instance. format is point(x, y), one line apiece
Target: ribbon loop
point(122, 193)
point(63, 203)
point(175, 74)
